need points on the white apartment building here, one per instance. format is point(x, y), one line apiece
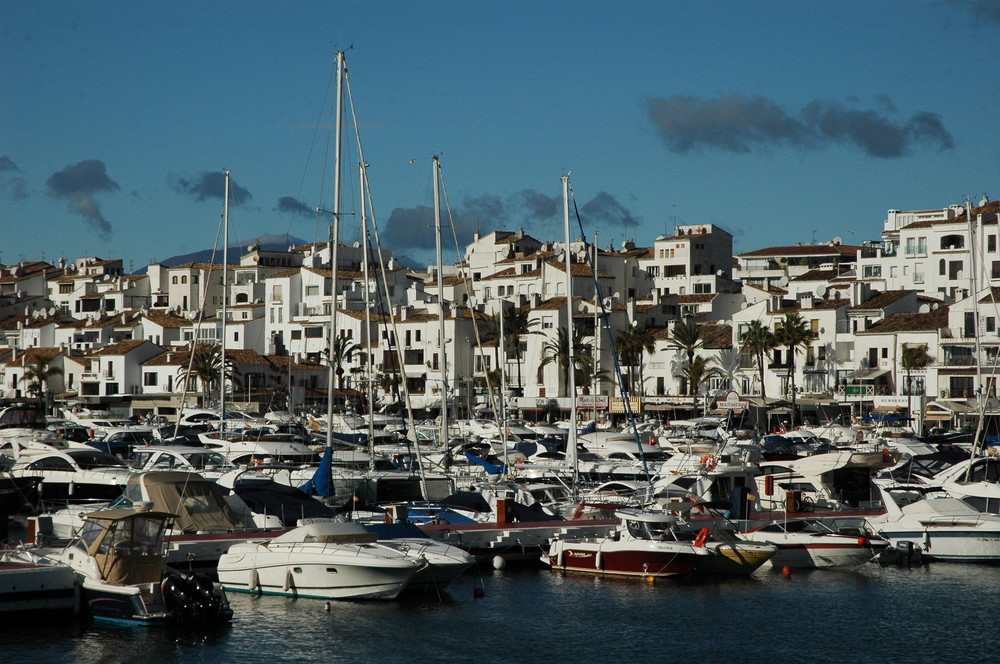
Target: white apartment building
point(775, 267)
point(696, 259)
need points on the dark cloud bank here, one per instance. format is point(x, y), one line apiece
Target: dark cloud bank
point(77, 184)
point(740, 124)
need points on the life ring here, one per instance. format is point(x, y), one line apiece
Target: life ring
point(702, 537)
point(783, 429)
point(709, 462)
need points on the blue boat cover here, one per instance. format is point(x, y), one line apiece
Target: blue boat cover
point(321, 483)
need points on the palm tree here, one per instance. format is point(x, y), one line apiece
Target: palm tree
point(37, 374)
point(759, 340)
point(557, 351)
point(794, 334)
point(914, 358)
point(489, 330)
point(343, 349)
point(686, 337)
point(517, 323)
point(206, 369)
point(634, 342)
point(697, 372)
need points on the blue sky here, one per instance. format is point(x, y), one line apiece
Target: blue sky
point(782, 121)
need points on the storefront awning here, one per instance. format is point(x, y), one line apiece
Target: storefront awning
point(866, 374)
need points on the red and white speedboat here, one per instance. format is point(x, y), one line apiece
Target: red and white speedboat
point(817, 544)
point(646, 544)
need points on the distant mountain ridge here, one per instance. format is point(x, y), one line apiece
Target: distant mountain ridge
point(236, 249)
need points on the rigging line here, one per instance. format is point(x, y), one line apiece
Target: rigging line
point(606, 324)
point(194, 346)
point(493, 397)
point(411, 422)
point(979, 446)
point(312, 146)
point(323, 175)
point(197, 326)
point(491, 393)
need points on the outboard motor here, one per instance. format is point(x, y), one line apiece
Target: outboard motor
point(195, 599)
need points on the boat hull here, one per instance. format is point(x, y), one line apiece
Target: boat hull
point(317, 574)
point(952, 545)
point(735, 558)
point(29, 588)
point(134, 604)
point(826, 555)
point(641, 559)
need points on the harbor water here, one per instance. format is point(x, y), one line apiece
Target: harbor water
point(930, 613)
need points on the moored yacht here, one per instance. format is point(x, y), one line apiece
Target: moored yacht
point(323, 560)
point(645, 545)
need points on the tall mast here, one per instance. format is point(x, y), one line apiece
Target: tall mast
point(442, 343)
point(366, 338)
point(571, 453)
point(503, 381)
point(597, 331)
point(225, 298)
point(334, 240)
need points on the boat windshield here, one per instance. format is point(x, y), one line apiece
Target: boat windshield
point(651, 530)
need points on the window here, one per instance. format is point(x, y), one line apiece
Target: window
point(921, 246)
point(173, 279)
point(991, 324)
point(276, 294)
point(65, 288)
point(184, 279)
point(149, 378)
point(296, 335)
point(991, 243)
point(312, 291)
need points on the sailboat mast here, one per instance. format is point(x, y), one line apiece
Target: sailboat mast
point(571, 453)
point(366, 338)
point(225, 298)
point(440, 284)
point(334, 241)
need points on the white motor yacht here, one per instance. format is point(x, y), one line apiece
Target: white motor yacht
point(322, 560)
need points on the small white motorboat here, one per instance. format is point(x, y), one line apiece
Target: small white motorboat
point(324, 560)
point(445, 562)
point(944, 527)
point(819, 544)
point(33, 587)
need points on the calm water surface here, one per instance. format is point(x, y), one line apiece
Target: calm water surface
point(934, 613)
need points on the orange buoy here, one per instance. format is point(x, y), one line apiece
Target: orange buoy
point(787, 571)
